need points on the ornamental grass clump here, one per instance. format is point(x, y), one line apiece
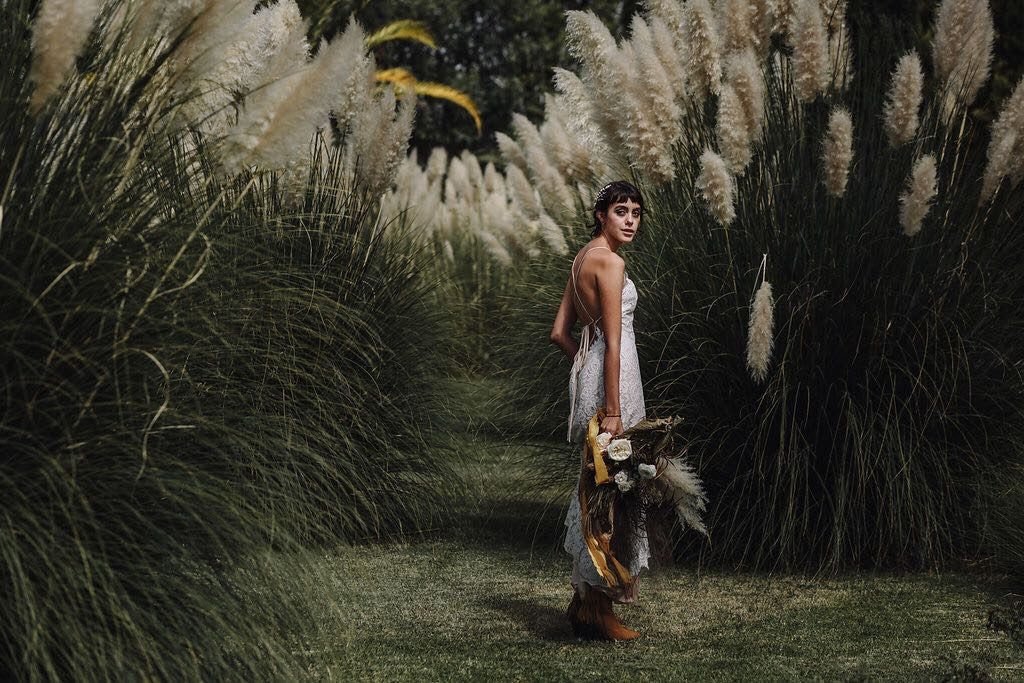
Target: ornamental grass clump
point(199, 368)
point(890, 394)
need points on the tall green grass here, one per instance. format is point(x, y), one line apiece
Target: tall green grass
point(894, 394)
point(195, 370)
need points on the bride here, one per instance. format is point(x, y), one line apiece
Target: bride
point(605, 373)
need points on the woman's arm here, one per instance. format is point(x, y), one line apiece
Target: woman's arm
point(610, 278)
point(561, 331)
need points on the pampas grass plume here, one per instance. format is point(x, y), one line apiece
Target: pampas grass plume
point(747, 79)
point(962, 50)
point(837, 152)
point(1006, 148)
point(904, 100)
point(511, 151)
point(733, 129)
point(921, 189)
point(717, 187)
point(59, 33)
point(760, 331)
point(686, 493)
point(703, 59)
point(810, 51)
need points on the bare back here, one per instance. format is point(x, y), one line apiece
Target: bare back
point(584, 279)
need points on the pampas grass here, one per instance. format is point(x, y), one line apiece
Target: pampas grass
point(760, 332)
point(717, 187)
point(1006, 147)
point(810, 51)
point(59, 33)
point(921, 189)
point(200, 368)
point(904, 100)
point(837, 151)
point(962, 50)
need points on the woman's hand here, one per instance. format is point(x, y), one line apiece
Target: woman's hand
point(612, 425)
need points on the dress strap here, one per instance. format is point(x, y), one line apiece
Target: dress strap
point(586, 337)
point(572, 275)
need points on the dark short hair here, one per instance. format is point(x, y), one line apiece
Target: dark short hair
point(614, 193)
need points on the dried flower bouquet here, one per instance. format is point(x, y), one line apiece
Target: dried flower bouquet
point(623, 478)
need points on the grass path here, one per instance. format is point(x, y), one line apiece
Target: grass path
point(485, 601)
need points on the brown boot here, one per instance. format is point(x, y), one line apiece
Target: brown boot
point(585, 616)
point(610, 624)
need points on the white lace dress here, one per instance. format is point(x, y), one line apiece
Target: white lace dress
point(586, 391)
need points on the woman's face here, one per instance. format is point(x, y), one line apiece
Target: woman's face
point(621, 221)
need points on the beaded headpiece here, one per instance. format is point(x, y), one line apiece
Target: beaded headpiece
point(602, 194)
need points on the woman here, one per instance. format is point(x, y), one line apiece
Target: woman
point(605, 372)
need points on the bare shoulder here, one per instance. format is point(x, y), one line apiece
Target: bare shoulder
point(606, 261)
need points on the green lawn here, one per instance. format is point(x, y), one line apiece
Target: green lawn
point(485, 600)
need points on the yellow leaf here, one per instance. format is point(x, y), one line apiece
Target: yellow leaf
point(402, 80)
point(403, 29)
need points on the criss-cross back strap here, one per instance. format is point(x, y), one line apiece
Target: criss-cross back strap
point(585, 339)
point(573, 273)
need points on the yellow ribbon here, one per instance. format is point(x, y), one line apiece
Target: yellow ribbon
point(598, 542)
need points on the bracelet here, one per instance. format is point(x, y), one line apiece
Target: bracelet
point(610, 415)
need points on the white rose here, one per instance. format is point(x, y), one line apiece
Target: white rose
point(623, 481)
point(603, 439)
point(647, 471)
point(619, 449)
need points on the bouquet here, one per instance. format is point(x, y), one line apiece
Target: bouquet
point(623, 478)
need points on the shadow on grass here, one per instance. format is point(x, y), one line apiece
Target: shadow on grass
point(544, 622)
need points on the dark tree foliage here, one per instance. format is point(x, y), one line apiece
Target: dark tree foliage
point(500, 54)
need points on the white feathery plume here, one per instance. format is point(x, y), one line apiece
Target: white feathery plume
point(457, 180)
point(473, 173)
point(553, 235)
point(837, 151)
point(668, 54)
point(522, 192)
point(496, 249)
point(557, 140)
point(285, 72)
point(1006, 148)
point(379, 139)
point(59, 33)
point(703, 57)
point(733, 130)
point(593, 46)
point(437, 163)
point(747, 79)
point(904, 100)
point(493, 182)
point(717, 187)
point(736, 17)
point(655, 124)
point(762, 21)
point(921, 189)
point(554, 192)
point(685, 492)
point(810, 51)
point(588, 135)
point(962, 50)
point(668, 11)
point(760, 337)
point(834, 13)
point(286, 131)
point(511, 151)
point(782, 17)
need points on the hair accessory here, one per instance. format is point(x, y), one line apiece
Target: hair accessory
point(602, 194)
